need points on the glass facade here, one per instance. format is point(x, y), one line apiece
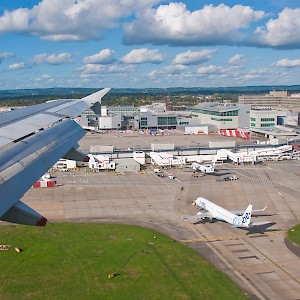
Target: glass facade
point(267, 119)
point(123, 109)
point(267, 125)
point(167, 121)
point(144, 121)
point(128, 118)
point(221, 120)
point(229, 113)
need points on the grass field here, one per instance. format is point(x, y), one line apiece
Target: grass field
point(294, 234)
point(72, 261)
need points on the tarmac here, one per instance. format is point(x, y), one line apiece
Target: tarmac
point(257, 259)
point(129, 139)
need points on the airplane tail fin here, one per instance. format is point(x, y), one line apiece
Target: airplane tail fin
point(247, 216)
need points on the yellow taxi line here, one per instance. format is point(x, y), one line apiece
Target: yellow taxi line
point(231, 237)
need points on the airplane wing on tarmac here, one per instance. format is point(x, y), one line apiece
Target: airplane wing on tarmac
point(240, 212)
point(199, 215)
point(32, 140)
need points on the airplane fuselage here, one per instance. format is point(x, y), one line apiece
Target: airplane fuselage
point(223, 214)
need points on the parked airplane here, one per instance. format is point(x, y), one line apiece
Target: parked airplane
point(236, 218)
point(32, 140)
point(203, 168)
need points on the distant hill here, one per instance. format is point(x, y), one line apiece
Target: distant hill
point(52, 93)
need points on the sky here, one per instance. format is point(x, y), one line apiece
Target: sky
point(148, 43)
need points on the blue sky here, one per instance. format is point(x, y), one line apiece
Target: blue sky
point(148, 43)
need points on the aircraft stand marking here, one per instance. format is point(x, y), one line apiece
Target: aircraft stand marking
point(231, 237)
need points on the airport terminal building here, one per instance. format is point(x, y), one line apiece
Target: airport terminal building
point(223, 116)
point(205, 118)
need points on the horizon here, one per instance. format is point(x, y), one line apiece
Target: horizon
point(272, 87)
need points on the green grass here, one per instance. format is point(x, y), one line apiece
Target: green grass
point(294, 234)
point(72, 261)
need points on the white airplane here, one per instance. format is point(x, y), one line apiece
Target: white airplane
point(236, 218)
point(203, 168)
point(32, 140)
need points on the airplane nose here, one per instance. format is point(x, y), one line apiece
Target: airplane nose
point(198, 202)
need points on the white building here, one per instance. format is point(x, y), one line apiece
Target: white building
point(110, 122)
point(263, 117)
point(223, 116)
point(200, 129)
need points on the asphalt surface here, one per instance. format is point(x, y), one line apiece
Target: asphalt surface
point(258, 260)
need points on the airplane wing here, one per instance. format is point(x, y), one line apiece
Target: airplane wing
point(240, 212)
point(32, 140)
point(198, 216)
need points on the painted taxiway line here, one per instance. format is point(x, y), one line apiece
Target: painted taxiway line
point(231, 237)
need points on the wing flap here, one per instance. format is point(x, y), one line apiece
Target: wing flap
point(21, 213)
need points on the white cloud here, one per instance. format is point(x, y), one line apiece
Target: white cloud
point(168, 70)
point(287, 63)
point(174, 24)
point(103, 57)
point(52, 59)
point(262, 71)
point(98, 69)
point(44, 78)
point(175, 69)
point(283, 32)
point(193, 58)
point(16, 66)
point(211, 69)
point(143, 55)
point(71, 20)
point(5, 55)
point(258, 75)
point(237, 60)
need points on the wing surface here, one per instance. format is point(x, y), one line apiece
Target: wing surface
point(32, 140)
point(240, 212)
point(198, 216)
point(19, 123)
